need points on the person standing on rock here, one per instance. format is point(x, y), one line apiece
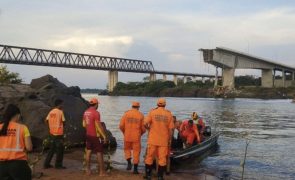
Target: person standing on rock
point(56, 120)
point(159, 121)
point(95, 136)
point(132, 126)
point(15, 140)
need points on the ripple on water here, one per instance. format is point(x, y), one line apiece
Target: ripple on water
point(269, 124)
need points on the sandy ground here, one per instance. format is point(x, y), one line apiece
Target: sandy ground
point(73, 162)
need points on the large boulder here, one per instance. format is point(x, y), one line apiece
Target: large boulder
point(37, 99)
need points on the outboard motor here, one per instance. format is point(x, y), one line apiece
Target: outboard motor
point(207, 131)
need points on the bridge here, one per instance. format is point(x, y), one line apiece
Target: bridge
point(229, 60)
point(44, 57)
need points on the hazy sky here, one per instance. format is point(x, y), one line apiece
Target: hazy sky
point(167, 32)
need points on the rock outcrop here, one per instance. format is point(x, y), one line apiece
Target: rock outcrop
point(37, 99)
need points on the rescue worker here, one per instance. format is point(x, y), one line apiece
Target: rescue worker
point(159, 121)
point(95, 136)
point(189, 132)
point(56, 120)
point(200, 123)
point(132, 126)
point(15, 141)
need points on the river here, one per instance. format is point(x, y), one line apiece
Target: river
point(268, 124)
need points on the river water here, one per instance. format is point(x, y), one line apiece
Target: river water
point(269, 125)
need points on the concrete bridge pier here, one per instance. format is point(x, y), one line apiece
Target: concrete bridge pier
point(184, 79)
point(203, 80)
point(153, 77)
point(164, 77)
point(216, 78)
point(228, 77)
point(267, 78)
point(194, 78)
point(113, 79)
point(175, 80)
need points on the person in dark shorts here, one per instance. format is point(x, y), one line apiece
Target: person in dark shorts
point(55, 120)
point(15, 140)
point(95, 136)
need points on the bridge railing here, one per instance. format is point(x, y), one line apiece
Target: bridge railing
point(43, 57)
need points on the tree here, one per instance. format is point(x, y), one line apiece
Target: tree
point(7, 77)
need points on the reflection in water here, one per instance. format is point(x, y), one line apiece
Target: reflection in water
point(268, 124)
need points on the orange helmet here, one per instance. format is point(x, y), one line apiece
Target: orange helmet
point(93, 101)
point(135, 104)
point(161, 102)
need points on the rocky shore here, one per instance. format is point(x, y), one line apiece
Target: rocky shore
point(36, 99)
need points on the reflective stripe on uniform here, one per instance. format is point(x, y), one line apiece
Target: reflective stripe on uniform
point(16, 149)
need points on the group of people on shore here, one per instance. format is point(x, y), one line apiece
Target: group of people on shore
point(15, 139)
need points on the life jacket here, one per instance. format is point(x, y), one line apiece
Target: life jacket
point(12, 146)
point(55, 122)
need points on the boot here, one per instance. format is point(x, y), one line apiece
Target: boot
point(135, 170)
point(161, 171)
point(148, 172)
point(129, 165)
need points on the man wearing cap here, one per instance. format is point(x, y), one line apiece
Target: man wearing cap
point(56, 120)
point(159, 121)
point(132, 127)
point(95, 136)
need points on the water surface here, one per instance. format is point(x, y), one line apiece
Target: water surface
point(268, 124)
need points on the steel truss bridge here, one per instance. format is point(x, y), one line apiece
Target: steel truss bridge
point(44, 57)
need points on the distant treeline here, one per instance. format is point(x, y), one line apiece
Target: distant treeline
point(168, 88)
point(93, 91)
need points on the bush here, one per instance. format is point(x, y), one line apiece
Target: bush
point(7, 77)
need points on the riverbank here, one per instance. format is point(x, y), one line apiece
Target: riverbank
point(195, 89)
point(73, 161)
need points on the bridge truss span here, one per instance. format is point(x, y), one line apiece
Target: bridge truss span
point(43, 57)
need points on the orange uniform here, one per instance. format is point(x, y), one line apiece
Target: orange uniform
point(12, 146)
point(132, 127)
point(189, 133)
point(160, 122)
point(55, 120)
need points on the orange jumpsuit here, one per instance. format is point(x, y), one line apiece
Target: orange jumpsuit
point(160, 122)
point(189, 133)
point(132, 127)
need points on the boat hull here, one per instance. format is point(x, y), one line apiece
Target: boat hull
point(197, 150)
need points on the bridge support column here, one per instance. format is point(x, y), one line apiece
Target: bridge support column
point(267, 78)
point(216, 78)
point(184, 79)
point(284, 77)
point(203, 80)
point(175, 80)
point(164, 77)
point(194, 79)
point(228, 77)
point(113, 79)
point(153, 77)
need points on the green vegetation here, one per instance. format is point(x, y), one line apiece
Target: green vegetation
point(142, 88)
point(159, 88)
point(7, 77)
point(247, 81)
point(92, 91)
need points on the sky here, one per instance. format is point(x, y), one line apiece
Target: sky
point(166, 32)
